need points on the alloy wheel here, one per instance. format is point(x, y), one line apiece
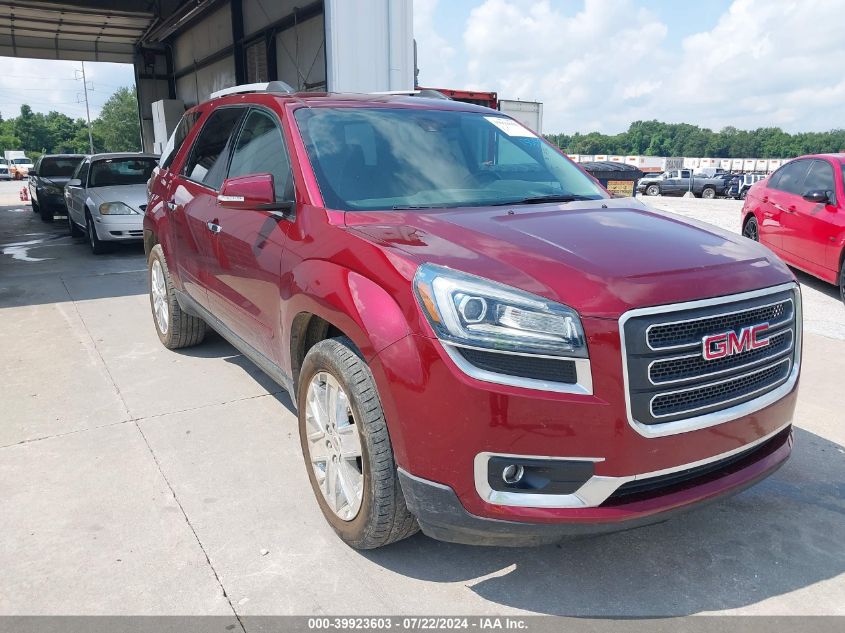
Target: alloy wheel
point(159, 291)
point(334, 445)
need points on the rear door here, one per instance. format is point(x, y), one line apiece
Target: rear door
point(244, 292)
point(193, 207)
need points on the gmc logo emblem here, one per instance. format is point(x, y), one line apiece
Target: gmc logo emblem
point(730, 343)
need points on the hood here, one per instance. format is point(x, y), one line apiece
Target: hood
point(134, 196)
point(600, 257)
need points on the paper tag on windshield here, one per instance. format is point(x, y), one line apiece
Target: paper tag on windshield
point(510, 127)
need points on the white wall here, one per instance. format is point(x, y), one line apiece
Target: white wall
point(369, 45)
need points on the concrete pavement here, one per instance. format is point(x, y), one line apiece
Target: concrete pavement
point(135, 480)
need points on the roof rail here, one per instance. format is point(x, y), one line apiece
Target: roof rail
point(272, 86)
point(425, 92)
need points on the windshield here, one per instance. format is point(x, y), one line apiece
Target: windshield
point(20, 161)
point(58, 167)
point(121, 171)
point(385, 158)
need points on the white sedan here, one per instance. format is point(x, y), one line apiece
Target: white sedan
point(107, 196)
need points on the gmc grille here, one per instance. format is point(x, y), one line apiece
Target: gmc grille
point(668, 378)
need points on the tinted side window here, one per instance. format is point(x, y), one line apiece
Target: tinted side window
point(791, 177)
point(820, 177)
point(168, 153)
point(260, 149)
point(207, 163)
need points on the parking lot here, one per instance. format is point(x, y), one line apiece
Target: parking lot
point(136, 480)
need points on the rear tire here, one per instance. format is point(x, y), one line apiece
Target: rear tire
point(709, 193)
point(175, 328)
point(652, 190)
point(370, 510)
point(842, 283)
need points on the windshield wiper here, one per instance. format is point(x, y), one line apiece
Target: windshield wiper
point(544, 199)
point(411, 207)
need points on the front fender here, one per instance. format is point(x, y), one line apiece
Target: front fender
point(358, 306)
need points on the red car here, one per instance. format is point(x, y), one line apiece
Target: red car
point(479, 340)
point(798, 213)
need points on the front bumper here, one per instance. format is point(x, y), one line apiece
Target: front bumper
point(118, 228)
point(442, 516)
point(441, 420)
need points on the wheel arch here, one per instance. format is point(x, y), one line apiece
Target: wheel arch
point(330, 300)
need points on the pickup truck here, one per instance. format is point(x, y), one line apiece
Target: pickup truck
point(676, 182)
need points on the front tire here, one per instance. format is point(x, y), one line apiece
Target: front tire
point(652, 190)
point(96, 244)
point(347, 448)
point(72, 227)
point(751, 230)
point(175, 328)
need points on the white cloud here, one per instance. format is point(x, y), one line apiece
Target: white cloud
point(582, 66)
point(768, 63)
point(765, 62)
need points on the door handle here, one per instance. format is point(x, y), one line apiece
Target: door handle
point(791, 209)
point(214, 228)
point(171, 206)
point(765, 198)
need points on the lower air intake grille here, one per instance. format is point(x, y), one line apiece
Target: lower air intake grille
point(546, 369)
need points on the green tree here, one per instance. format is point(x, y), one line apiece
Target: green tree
point(118, 123)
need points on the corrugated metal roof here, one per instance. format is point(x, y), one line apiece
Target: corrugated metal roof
point(104, 30)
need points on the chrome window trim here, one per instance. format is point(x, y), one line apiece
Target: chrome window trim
point(721, 371)
point(595, 490)
point(686, 345)
point(725, 415)
point(583, 374)
point(710, 384)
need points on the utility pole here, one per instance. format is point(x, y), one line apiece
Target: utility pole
point(87, 110)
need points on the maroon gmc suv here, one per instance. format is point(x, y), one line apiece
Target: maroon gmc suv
point(480, 341)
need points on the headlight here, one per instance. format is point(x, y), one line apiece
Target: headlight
point(470, 310)
point(116, 208)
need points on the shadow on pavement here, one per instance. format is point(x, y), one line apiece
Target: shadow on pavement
point(215, 346)
point(816, 284)
point(780, 536)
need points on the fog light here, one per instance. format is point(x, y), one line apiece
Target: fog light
point(512, 474)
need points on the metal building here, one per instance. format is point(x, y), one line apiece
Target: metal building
point(186, 49)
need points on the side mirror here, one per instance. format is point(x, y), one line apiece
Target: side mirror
point(247, 192)
point(32, 172)
point(73, 182)
point(818, 196)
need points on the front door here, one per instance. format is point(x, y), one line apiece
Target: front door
point(75, 195)
point(245, 289)
point(810, 227)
